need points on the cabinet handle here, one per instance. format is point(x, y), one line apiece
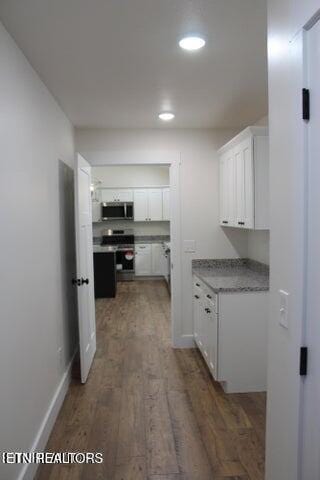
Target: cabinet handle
point(209, 296)
point(196, 296)
point(241, 223)
point(208, 310)
point(225, 222)
point(198, 284)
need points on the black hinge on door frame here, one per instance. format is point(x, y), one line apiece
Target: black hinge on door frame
point(303, 361)
point(306, 104)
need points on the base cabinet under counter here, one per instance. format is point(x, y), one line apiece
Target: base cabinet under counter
point(230, 330)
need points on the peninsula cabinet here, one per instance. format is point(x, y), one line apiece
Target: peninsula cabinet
point(244, 180)
point(230, 330)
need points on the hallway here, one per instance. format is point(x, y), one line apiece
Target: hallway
point(154, 412)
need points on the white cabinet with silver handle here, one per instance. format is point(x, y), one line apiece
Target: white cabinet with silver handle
point(230, 330)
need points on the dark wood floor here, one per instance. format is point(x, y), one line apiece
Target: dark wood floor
point(154, 412)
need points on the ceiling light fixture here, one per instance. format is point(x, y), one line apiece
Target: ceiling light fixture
point(166, 116)
point(192, 43)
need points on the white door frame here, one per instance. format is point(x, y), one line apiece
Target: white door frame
point(171, 158)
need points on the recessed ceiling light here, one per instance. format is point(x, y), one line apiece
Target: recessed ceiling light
point(166, 116)
point(192, 43)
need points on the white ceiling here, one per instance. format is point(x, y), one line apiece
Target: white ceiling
point(116, 63)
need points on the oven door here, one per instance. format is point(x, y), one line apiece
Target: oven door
point(113, 211)
point(125, 260)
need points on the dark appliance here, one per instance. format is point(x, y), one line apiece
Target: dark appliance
point(124, 241)
point(117, 211)
point(105, 280)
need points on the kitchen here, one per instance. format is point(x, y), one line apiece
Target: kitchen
point(131, 225)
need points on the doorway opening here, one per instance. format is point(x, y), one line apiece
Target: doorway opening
point(159, 172)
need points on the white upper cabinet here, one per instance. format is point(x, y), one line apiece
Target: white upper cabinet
point(244, 180)
point(116, 195)
point(141, 210)
point(166, 203)
point(148, 205)
point(155, 204)
point(227, 189)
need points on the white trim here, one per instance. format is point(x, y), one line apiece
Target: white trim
point(29, 470)
point(247, 132)
point(171, 158)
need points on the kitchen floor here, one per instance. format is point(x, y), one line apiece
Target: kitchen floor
point(154, 412)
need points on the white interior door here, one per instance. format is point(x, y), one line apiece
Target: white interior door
point(311, 394)
point(85, 281)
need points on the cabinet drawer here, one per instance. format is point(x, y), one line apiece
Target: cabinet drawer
point(143, 247)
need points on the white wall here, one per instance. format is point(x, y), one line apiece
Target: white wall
point(132, 176)
point(36, 251)
point(199, 189)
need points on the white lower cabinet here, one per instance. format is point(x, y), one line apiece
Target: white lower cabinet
point(156, 259)
point(230, 330)
point(148, 259)
point(143, 259)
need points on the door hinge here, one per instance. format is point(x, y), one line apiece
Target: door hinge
point(303, 361)
point(306, 104)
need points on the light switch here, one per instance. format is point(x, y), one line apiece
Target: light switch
point(189, 246)
point(284, 309)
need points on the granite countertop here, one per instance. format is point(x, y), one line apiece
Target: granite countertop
point(104, 248)
point(232, 275)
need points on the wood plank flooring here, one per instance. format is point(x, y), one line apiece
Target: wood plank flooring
point(154, 412)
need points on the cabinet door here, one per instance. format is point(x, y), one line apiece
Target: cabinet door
point(143, 259)
point(96, 211)
point(108, 195)
point(196, 314)
point(125, 195)
point(227, 187)
point(156, 259)
point(155, 204)
point(244, 184)
point(166, 203)
point(212, 335)
point(223, 191)
point(140, 205)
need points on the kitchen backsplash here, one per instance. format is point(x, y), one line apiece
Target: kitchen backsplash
point(139, 228)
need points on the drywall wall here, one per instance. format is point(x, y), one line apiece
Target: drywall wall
point(199, 189)
point(259, 246)
point(36, 254)
point(132, 176)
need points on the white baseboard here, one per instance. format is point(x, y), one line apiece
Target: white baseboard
point(184, 341)
point(29, 470)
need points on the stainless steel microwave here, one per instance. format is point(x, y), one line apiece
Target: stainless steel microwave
point(117, 211)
